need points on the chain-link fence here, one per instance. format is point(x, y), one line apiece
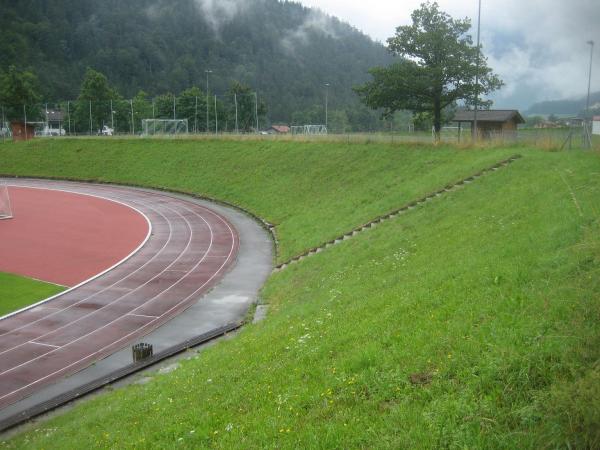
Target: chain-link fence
point(230, 113)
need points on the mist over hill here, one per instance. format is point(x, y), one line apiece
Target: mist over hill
point(570, 107)
point(285, 51)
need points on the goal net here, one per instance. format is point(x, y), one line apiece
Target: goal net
point(157, 127)
point(310, 130)
point(5, 208)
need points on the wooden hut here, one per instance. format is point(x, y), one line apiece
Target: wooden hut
point(22, 131)
point(491, 123)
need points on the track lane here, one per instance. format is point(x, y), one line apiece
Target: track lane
point(189, 250)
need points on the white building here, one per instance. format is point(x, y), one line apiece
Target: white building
point(596, 125)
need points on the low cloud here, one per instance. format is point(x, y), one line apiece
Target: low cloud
point(315, 22)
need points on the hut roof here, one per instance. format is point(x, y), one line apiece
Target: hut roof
point(489, 115)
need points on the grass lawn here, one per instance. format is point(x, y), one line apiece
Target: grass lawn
point(312, 191)
point(470, 322)
point(18, 292)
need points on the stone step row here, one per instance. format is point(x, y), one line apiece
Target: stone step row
point(395, 213)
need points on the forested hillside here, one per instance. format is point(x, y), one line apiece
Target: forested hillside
point(281, 49)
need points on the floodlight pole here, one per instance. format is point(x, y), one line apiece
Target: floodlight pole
point(587, 105)
point(207, 98)
point(326, 104)
point(477, 72)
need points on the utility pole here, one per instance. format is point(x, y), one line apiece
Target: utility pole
point(477, 73)
point(207, 98)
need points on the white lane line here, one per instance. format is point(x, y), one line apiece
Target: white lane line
point(108, 287)
point(117, 298)
point(233, 246)
point(95, 276)
point(114, 301)
point(45, 345)
point(139, 315)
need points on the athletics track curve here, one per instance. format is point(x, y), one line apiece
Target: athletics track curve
point(188, 251)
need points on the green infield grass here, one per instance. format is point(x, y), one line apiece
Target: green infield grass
point(18, 292)
point(469, 322)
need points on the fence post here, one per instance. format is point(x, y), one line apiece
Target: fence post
point(237, 129)
point(25, 116)
point(216, 117)
point(90, 117)
point(69, 115)
point(196, 116)
point(132, 118)
point(256, 110)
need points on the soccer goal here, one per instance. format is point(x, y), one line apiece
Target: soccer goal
point(157, 127)
point(315, 130)
point(5, 207)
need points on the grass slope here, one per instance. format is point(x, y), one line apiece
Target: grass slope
point(471, 322)
point(18, 292)
point(313, 192)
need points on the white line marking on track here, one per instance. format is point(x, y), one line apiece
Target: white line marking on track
point(233, 246)
point(45, 345)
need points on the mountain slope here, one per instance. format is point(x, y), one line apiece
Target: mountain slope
point(284, 50)
point(571, 107)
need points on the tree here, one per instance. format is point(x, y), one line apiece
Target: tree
point(19, 90)
point(246, 105)
point(439, 67)
point(93, 106)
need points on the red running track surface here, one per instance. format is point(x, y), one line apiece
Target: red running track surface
point(188, 252)
point(66, 238)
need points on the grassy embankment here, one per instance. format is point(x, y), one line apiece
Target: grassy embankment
point(18, 292)
point(469, 322)
point(313, 192)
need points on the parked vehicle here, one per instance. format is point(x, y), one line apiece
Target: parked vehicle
point(49, 131)
point(106, 131)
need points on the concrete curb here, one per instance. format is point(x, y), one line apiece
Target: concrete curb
point(395, 213)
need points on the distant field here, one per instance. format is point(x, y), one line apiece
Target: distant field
point(18, 292)
point(470, 322)
point(311, 191)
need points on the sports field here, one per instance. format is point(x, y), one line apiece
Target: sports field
point(18, 292)
point(471, 321)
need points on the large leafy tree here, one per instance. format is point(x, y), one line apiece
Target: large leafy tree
point(439, 67)
point(93, 106)
point(19, 94)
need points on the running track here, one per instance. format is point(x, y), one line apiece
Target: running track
point(189, 250)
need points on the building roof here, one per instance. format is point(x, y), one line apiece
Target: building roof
point(54, 115)
point(281, 128)
point(489, 115)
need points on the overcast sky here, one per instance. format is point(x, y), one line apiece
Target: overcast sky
point(538, 47)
